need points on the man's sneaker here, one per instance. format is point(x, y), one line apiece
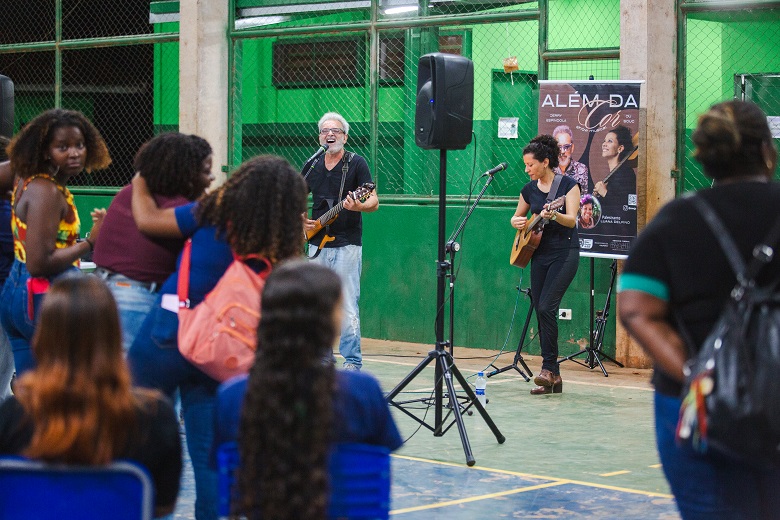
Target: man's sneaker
point(351, 367)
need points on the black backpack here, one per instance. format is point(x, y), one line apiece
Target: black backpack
point(732, 395)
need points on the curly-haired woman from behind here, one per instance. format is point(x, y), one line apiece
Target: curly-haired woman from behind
point(555, 261)
point(677, 279)
point(50, 150)
point(295, 404)
point(177, 169)
point(77, 405)
point(256, 212)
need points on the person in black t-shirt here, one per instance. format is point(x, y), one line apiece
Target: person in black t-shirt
point(677, 273)
point(333, 179)
point(555, 261)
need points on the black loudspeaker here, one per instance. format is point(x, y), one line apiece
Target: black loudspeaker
point(444, 116)
point(6, 107)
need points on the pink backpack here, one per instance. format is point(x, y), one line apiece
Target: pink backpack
point(219, 335)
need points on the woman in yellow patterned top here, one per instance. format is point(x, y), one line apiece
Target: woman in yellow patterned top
point(44, 156)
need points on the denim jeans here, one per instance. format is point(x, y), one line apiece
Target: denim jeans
point(712, 486)
point(691, 475)
point(155, 362)
point(133, 302)
point(14, 315)
point(6, 365)
point(347, 261)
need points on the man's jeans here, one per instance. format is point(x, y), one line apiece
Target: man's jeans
point(347, 261)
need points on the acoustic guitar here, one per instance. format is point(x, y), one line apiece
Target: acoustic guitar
point(527, 239)
point(327, 218)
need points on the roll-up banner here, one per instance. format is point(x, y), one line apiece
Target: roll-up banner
point(596, 124)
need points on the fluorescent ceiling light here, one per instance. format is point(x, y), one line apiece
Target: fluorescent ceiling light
point(257, 21)
point(401, 9)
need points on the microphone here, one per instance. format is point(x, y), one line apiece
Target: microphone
point(321, 150)
point(495, 170)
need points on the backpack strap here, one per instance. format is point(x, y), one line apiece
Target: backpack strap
point(762, 253)
point(183, 283)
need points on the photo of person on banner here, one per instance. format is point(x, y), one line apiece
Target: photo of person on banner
point(566, 164)
point(617, 191)
point(596, 126)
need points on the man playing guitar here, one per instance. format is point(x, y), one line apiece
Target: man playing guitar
point(339, 245)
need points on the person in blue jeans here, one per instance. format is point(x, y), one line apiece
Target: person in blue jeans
point(256, 212)
point(330, 181)
point(286, 416)
point(672, 290)
point(49, 151)
point(6, 261)
point(177, 170)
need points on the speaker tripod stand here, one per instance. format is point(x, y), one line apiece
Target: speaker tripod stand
point(518, 356)
point(594, 355)
point(445, 369)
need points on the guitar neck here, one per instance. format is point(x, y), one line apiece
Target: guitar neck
point(331, 213)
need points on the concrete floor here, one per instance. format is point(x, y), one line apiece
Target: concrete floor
point(586, 453)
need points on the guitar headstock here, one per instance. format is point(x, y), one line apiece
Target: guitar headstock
point(363, 191)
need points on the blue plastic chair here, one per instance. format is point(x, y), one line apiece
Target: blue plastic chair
point(32, 489)
point(359, 480)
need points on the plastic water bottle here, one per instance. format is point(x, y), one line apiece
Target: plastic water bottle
point(481, 385)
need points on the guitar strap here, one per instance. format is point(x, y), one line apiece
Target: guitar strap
point(554, 187)
point(347, 158)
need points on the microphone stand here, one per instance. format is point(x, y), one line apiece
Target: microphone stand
point(452, 247)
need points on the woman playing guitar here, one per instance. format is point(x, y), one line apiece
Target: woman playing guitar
point(556, 258)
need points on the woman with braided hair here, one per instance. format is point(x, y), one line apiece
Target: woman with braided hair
point(287, 415)
point(256, 212)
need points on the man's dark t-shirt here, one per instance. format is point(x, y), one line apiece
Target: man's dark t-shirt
point(324, 185)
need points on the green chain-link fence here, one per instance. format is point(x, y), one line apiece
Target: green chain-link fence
point(101, 58)
point(295, 62)
point(728, 53)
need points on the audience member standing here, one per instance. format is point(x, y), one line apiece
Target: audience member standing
point(45, 155)
point(677, 276)
point(177, 170)
point(256, 212)
point(6, 261)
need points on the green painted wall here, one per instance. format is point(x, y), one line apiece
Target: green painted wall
point(398, 295)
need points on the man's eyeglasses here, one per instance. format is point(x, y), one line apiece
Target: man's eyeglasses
point(336, 131)
point(564, 147)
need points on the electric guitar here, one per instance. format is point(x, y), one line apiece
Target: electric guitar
point(527, 239)
point(327, 218)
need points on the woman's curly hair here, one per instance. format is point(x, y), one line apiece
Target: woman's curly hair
point(28, 148)
point(287, 419)
point(259, 209)
point(543, 147)
point(172, 163)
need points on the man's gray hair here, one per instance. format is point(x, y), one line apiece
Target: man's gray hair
point(334, 116)
point(563, 129)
